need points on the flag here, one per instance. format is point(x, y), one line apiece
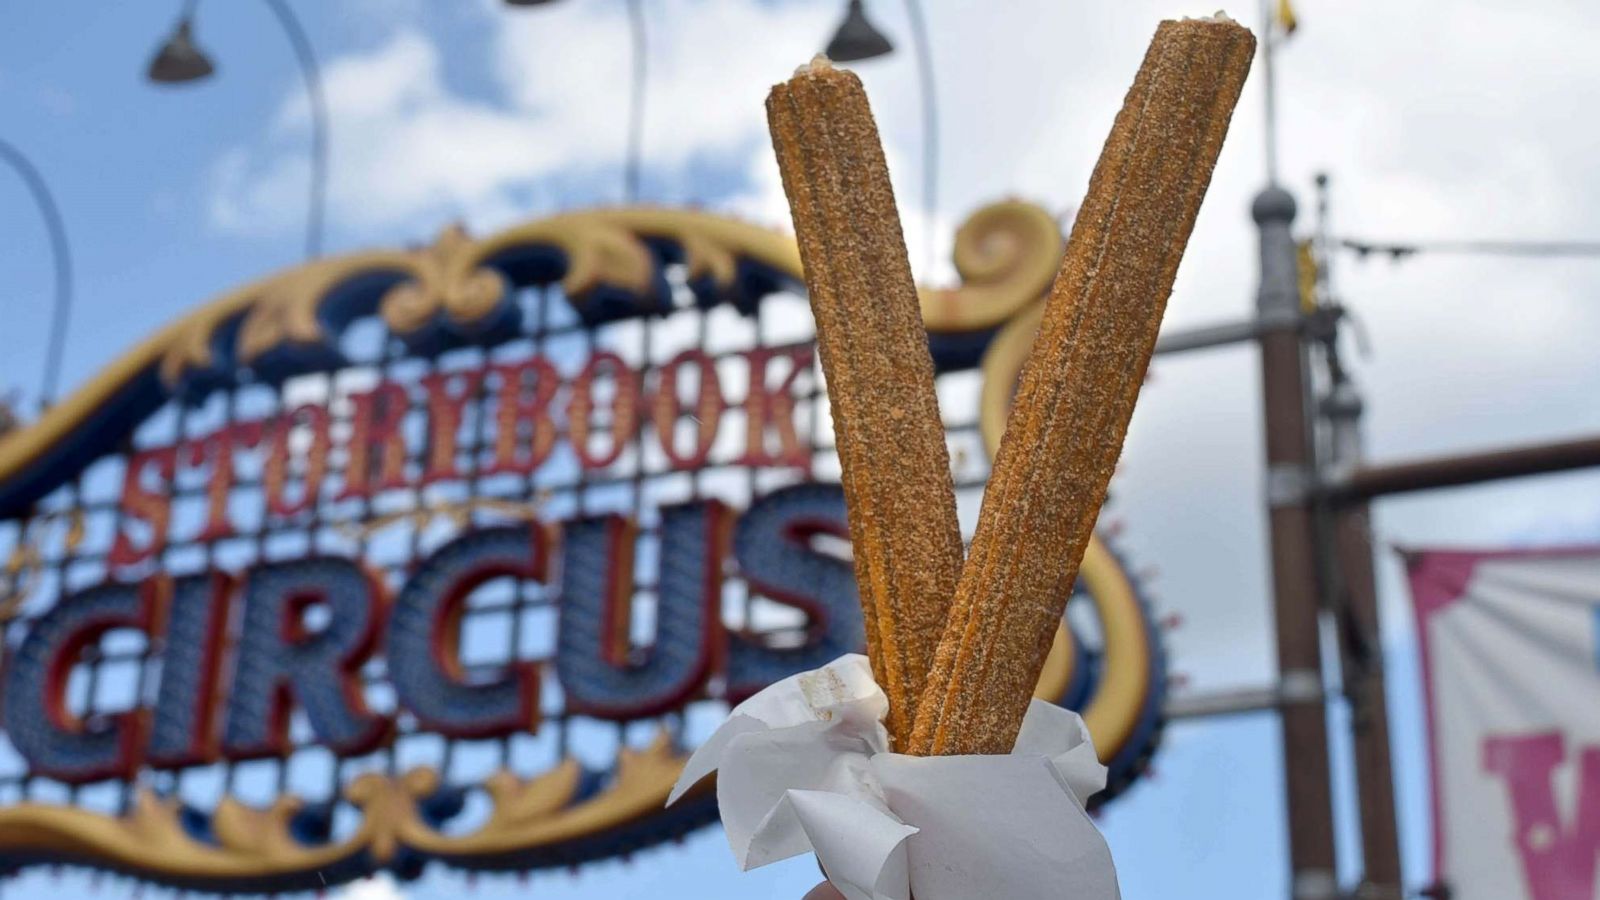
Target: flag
point(1306, 269)
point(1510, 653)
point(1286, 18)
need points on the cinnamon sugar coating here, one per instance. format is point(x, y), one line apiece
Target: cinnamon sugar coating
point(1078, 388)
point(874, 352)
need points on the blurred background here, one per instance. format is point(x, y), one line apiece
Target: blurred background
point(1433, 122)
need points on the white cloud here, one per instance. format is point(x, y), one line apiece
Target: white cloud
point(378, 887)
point(410, 151)
point(1434, 122)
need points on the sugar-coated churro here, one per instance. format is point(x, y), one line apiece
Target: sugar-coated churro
point(874, 351)
point(1078, 387)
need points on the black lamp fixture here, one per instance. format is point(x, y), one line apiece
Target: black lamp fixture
point(857, 38)
point(179, 61)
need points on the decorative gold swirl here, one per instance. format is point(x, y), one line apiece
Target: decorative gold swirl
point(150, 840)
point(538, 812)
point(465, 293)
point(1007, 254)
point(23, 565)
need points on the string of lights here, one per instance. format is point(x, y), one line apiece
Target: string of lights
point(1398, 250)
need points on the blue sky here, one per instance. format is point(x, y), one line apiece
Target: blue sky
point(1435, 120)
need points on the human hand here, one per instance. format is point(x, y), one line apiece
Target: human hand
point(823, 891)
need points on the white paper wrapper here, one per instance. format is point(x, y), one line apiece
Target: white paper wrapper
point(804, 766)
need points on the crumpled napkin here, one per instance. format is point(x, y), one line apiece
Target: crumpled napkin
point(805, 765)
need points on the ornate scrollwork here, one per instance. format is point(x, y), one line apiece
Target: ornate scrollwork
point(464, 293)
point(25, 562)
point(1007, 254)
point(256, 848)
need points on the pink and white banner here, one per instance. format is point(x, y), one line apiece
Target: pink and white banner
point(1511, 668)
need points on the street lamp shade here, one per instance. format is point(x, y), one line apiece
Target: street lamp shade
point(857, 38)
point(179, 60)
point(528, 2)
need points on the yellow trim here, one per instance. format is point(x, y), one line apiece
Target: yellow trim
point(1058, 667)
point(1006, 254)
point(1001, 368)
point(1124, 686)
point(256, 844)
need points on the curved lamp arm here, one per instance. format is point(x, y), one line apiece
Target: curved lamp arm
point(319, 123)
point(179, 60)
point(61, 252)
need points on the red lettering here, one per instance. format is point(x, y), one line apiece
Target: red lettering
point(707, 414)
point(522, 416)
point(375, 432)
point(624, 419)
point(773, 408)
point(444, 420)
point(275, 475)
point(219, 446)
point(140, 504)
point(1557, 861)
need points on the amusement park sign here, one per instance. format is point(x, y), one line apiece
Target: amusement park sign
point(454, 554)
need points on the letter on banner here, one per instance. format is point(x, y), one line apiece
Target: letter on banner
point(55, 742)
point(281, 659)
point(594, 653)
point(423, 642)
point(1558, 860)
point(184, 730)
point(772, 545)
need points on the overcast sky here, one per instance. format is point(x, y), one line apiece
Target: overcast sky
point(1463, 119)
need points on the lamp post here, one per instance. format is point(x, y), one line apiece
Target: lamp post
point(632, 158)
point(857, 39)
point(635, 149)
point(61, 253)
point(179, 60)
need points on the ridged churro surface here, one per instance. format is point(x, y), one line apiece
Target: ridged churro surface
point(1078, 387)
point(874, 351)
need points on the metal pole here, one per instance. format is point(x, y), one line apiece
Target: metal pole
point(1204, 337)
point(636, 36)
point(1269, 86)
point(1361, 655)
point(60, 251)
point(319, 123)
point(1355, 601)
point(1290, 499)
point(1469, 468)
point(930, 132)
point(1212, 704)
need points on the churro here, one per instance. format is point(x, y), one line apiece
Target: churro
point(1078, 388)
point(874, 350)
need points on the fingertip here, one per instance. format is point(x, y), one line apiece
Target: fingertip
point(824, 891)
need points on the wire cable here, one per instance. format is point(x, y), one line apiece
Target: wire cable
point(930, 133)
point(1401, 249)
